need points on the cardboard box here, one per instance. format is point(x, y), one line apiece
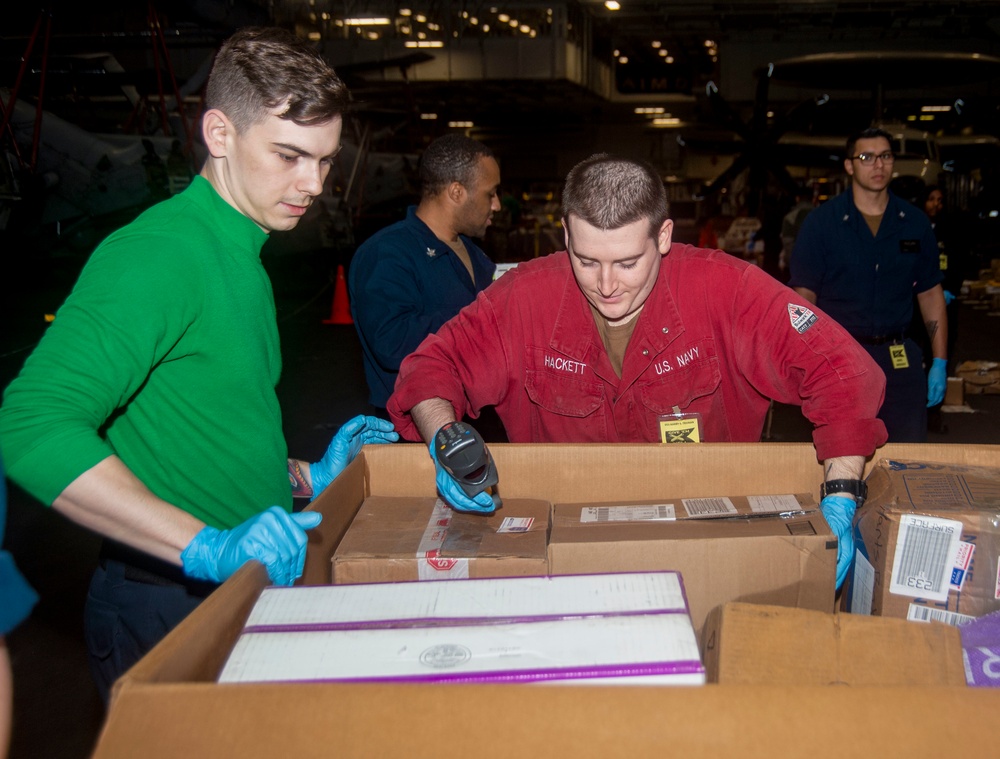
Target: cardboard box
point(395, 539)
point(747, 644)
point(605, 629)
point(169, 705)
point(980, 377)
point(751, 555)
point(928, 542)
point(954, 393)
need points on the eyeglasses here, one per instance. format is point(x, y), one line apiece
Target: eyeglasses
point(870, 158)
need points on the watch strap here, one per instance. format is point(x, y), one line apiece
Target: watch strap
point(857, 488)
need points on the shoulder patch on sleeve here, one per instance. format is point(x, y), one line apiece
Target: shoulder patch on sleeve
point(801, 317)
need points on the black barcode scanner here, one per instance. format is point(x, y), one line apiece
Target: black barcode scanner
point(463, 453)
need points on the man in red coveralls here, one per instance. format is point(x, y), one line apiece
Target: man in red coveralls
point(624, 337)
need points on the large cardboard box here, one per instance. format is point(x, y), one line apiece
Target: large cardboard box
point(169, 704)
point(727, 549)
point(750, 644)
point(928, 542)
point(396, 539)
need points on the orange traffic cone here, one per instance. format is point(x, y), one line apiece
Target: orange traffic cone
point(340, 311)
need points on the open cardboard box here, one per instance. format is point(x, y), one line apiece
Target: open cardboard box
point(168, 705)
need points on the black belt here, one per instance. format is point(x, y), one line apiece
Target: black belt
point(148, 570)
point(895, 337)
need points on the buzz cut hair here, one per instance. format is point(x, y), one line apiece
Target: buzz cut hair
point(865, 134)
point(451, 158)
point(259, 69)
point(610, 192)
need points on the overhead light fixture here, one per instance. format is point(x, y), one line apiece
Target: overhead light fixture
point(524, 28)
point(669, 59)
point(935, 108)
point(429, 116)
point(405, 12)
point(315, 36)
point(460, 124)
point(503, 18)
point(649, 109)
point(366, 21)
point(667, 121)
point(423, 43)
point(656, 44)
point(421, 18)
point(623, 59)
point(612, 5)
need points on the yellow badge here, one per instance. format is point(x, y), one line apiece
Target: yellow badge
point(686, 429)
point(943, 261)
point(898, 354)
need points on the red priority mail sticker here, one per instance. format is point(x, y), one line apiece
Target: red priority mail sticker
point(801, 317)
point(438, 562)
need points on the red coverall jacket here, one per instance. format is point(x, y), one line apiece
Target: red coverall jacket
point(716, 336)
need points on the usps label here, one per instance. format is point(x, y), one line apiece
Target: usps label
point(962, 563)
point(516, 524)
point(708, 507)
point(917, 613)
point(926, 551)
point(432, 566)
point(773, 504)
point(659, 512)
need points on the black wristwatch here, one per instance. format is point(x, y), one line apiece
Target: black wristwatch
point(857, 488)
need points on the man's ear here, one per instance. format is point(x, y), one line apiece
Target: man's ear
point(849, 167)
point(565, 226)
point(216, 130)
point(664, 236)
point(456, 192)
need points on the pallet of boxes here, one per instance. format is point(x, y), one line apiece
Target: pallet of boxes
point(625, 600)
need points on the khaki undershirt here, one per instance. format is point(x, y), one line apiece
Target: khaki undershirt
point(873, 222)
point(463, 255)
point(615, 337)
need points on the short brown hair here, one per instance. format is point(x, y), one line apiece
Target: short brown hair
point(609, 192)
point(261, 68)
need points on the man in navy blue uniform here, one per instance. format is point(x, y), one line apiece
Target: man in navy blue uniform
point(411, 277)
point(862, 257)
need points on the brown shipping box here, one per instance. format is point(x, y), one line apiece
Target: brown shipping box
point(396, 539)
point(929, 546)
point(169, 705)
point(979, 377)
point(749, 644)
point(783, 560)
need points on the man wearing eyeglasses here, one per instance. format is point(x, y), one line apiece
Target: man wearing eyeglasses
point(862, 257)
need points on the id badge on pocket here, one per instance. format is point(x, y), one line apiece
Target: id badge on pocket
point(679, 427)
point(898, 355)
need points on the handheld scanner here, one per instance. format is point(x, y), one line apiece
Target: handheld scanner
point(463, 453)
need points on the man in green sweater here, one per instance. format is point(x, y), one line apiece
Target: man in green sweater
point(148, 412)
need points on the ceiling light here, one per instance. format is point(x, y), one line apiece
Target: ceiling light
point(421, 35)
point(405, 12)
point(433, 27)
point(709, 43)
point(460, 124)
point(423, 43)
point(669, 59)
point(667, 121)
point(524, 28)
point(486, 27)
point(421, 18)
point(473, 20)
point(428, 116)
point(612, 5)
point(662, 52)
point(366, 21)
point(503, 17)
point(623, 59)
point(935, 108)
point(648, 109)
point(314, 36)
point(656, 44)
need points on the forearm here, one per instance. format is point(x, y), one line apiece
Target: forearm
point(300, 478)
point(111, 501)
point(934, 312)
point(844, 468)
point(430, 415)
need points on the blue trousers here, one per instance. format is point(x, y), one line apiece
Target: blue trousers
point(128, 611)
point(905, 408)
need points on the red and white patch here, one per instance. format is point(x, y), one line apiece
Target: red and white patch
point(801, 317)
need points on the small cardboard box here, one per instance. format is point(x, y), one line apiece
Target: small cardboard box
point(169, 705)
point(954, 394)
point(927, 542)
point(749, 644)
point(751, 555)
point(980, 377)
point(502, 630)
point(397, 538)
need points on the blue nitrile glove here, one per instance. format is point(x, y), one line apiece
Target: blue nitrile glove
point(359, 431)
point(275, 538)
point(936, 381)
point(452, 492)
point(948, 298)
point(839, 514)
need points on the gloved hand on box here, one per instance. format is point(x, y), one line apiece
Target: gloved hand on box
point(451, 491)
point(359, 431)
point(839, 514)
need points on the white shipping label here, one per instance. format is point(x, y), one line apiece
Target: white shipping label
point(773, 504)
point(515, 524)
point(926, 551)
point(709, 507)
point(862, 585)
point(917, 613)
point(657, 512)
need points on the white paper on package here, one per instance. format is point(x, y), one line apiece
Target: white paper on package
point(926, 550)
point(649, 512)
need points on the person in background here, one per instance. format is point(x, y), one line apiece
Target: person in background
point(863, 257)
point(411, 277)
point(148, 411)
point(17, 598)
point(625, 331)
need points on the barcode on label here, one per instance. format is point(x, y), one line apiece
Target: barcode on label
point(924, 614)
point(708, 507)
point(926, 549)
point(637, 513)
